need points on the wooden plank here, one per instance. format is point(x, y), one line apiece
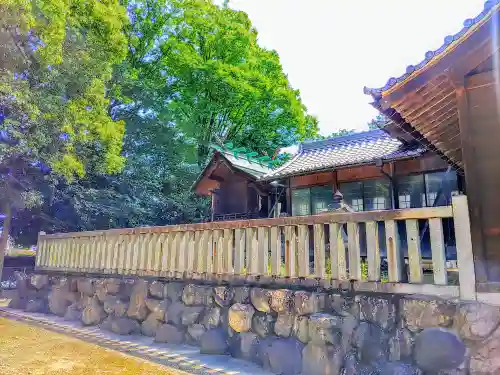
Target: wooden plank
point(239, 253)
point(198, 236)
point(218, 251)
point(182, 256)
point(251, 251)
point(290, 251)
point(319, 251)
point(438, 252)
point(92, 255)
point(190, 264)
point(161, 259)
point(174, 241)
point(263, 250)
point(181, 252)
point(414, 252)
point(303, 251)
point(96, 247)
point(100, 251)
point(338, 256)
point(324, 218)
point(373, 251)
point(275, 251)
point(81, 260)
point(49, 253)
point(209, 267)
point(119, 259)
point(465, 257)
point(393, 251)
point(65, 254)
point(55, 261)
point(58, 255)
point(88, 254)
point(62, 260)
point(109, 253)
point(41, 252)
point(136, 248)
point(200, 250)
point(69, 259)
point(228, 251)
point(144, 252)
point(354, 251)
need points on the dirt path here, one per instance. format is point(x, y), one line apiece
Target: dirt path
point(30, 350)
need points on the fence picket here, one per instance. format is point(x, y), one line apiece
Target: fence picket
point(319, 251)
point(337, 252)
point(373, 251)
point(393, 251)
point(438, 252)
point(414, 252)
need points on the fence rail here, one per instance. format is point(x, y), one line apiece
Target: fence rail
point(271, 247)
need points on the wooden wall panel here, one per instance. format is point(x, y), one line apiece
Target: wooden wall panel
point(480, 135)
point(323, 178)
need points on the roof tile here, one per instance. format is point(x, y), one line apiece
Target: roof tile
point(358, 148)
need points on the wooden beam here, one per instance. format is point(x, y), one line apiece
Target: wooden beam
point(323, 218)
point(471, 180)
point(465, 57)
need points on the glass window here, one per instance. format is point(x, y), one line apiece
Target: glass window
point(411, 193)
point(377, 195)
point(440, 186)
point(353, 194)
point(321, 198)
point(301, 202)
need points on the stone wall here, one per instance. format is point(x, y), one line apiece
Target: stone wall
point(285, 331)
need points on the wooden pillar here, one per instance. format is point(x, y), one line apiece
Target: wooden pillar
point(478, 109)
point(289, 198)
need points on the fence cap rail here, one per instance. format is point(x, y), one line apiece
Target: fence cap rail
point(324, 218)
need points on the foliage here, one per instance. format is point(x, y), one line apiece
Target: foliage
point(378, 122)
point(219, 85)
point(58, 58)
point(336, 134)
point(193, 75)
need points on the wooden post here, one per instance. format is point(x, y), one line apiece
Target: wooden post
point(438, 252)
point(393, 251)
point(414, 252)
point(465, 258)
point(338, 257)
point(354, 251)
point(319, 251)
point(373, 251)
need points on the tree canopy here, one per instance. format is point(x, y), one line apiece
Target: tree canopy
point(127, 99)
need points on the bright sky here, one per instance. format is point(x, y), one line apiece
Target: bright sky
point(331, 49)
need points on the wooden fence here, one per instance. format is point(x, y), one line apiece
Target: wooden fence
point(281, 247)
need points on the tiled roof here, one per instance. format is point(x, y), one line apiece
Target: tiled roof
point(354, 149)
point(249, 166)
point(431, 56)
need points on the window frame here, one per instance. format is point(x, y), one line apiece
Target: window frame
point(424, 185)
point(363, 192)
point(310, 197)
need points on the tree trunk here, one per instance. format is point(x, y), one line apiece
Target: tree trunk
point(4, 239)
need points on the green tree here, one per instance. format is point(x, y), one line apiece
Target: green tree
point(219, 86)
point(378, 122)
point(217, 83)
point(336, 134)
point(54, 123)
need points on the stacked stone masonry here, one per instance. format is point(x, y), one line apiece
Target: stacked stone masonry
point(286, 332)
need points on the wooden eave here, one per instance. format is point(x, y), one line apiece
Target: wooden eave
point(424, 107)
point(208, 173)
